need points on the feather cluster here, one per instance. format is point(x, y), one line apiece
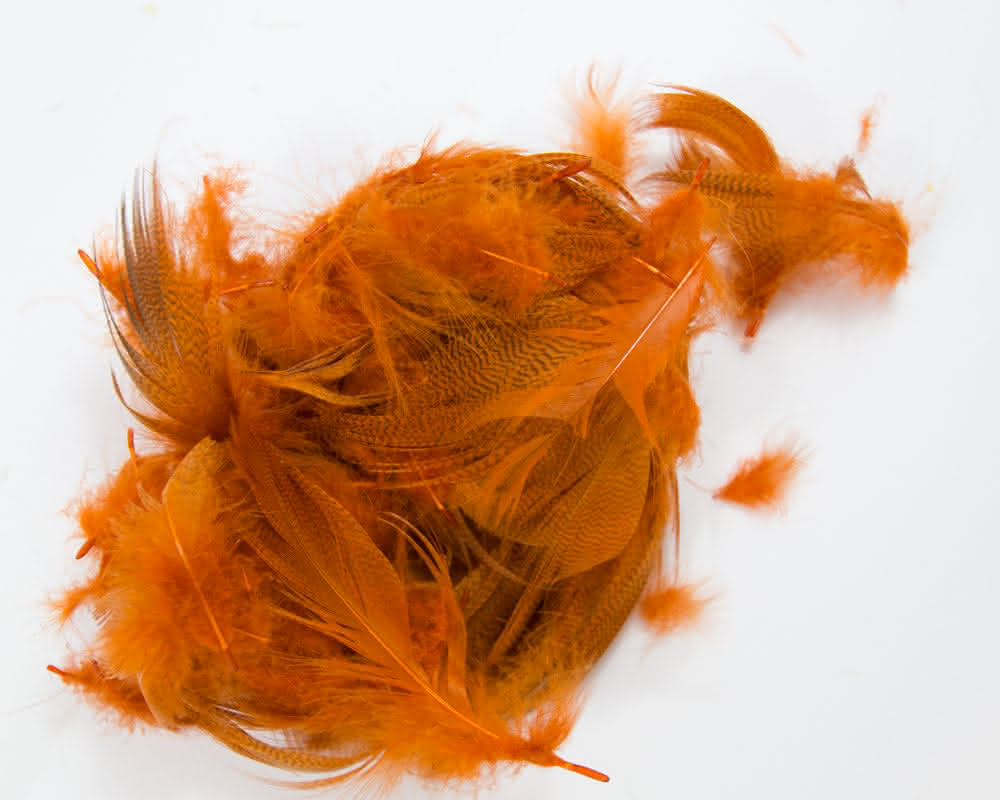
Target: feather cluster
point(410, 476)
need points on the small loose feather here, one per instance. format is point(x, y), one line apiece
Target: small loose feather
point(672, 607)
point(411, 473)
point(763, 481)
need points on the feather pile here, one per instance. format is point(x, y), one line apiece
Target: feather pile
point(410, 477)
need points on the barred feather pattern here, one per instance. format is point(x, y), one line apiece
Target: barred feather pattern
point(412, 474)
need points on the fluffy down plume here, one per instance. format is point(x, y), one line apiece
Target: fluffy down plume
point(763, 481)
point(409, 478)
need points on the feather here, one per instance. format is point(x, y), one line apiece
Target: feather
point(671, 607)
point(603, 125)
point(410, 476)
point(763, 481)
point(778, 224)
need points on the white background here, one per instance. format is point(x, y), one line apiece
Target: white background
point(852, 650)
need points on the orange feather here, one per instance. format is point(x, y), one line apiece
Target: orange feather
point(763, 481)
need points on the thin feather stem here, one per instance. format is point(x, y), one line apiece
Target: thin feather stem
point(659, 312)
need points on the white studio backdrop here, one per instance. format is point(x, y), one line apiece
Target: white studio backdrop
point(854, 643)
